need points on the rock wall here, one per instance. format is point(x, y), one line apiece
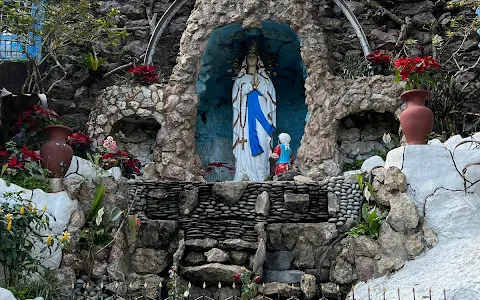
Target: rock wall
point(438, 193)
point(328, 98)
point(232, 209)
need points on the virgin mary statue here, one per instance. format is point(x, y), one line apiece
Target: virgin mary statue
point(254, 120)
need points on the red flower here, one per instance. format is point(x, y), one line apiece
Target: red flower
point(145, 73)
point(32, 155)
point(378, 58)
point(237, 276)
point(108, 156)
point(15, 164)
point(4, 154)
point(257, 279)
point(79, 138)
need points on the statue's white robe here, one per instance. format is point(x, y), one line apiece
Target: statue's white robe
point(257, 168)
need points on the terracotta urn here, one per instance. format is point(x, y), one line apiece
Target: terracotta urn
point(56, 154)
point(416, 120)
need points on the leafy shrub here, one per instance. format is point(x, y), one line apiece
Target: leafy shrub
point(370, 223)
point(21, 224)
point(23, 168)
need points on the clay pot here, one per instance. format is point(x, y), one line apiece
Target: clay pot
point(56, 154)
point(416, 120)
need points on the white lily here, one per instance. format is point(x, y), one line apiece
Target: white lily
point(387, 138)
point(98, 219)
point(367, 193)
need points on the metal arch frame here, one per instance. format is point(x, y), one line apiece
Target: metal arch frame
point(177, 4)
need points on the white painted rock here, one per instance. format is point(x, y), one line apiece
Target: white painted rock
point(83, 168)
point(455, 140)
point(6, 295)
point(436, 189)
point(435, 142)
point(371, 163)
point(58, 204)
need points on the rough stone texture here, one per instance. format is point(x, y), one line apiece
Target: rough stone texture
point(262, 205)
point(297, 202)
point(403, 213)
point(364, 267)
point(395, 180)
point(329, 98)
point(229, 192)
point(261, 253)
point(239, 258)
point(305, 241)
point(283, 289)
point(195, 258)
point(189, 201)
point(212, 273)
point(157, 234)
point(287, 276)
point(437, 191)
point(279, 260)
point(365, 246)
point(117, 102)
point(342, 271)
point(333, 204)
point(198, 244)
point(138, 283)
point(145, 261)
point(308, 285)
point(216, 255)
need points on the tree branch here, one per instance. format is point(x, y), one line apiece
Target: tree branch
point(384, 11)
point(403, 31)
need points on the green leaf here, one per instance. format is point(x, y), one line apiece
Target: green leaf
point(115, 214)
point(360, 180)
point(96, 202)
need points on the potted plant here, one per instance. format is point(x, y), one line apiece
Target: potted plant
point(416, 120)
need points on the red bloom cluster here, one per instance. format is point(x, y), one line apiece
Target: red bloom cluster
point(145, 74)
point(416, 65)
point(33, 115)
point(127, 161)
point(18, 160)
point(378, 58)
point(79, 139)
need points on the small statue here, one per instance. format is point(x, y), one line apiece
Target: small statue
point(283, 155)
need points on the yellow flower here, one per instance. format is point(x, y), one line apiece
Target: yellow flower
point(49, 240)
point(9, 226)
point(30, 208)
point(9, 218)
point(45, 207)
point(34, 210)
point(65, 237)
point(22, 210)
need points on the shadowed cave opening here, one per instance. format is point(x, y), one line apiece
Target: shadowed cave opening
point(279, 48)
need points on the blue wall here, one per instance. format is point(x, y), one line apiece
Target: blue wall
point(280, 45)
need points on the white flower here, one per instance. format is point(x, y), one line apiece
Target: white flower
point(185, 295)
point(98, 219)
point(367, 193)
point(387, 138)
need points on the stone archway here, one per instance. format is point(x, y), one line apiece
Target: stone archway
point(329, 98)
point(279, 49)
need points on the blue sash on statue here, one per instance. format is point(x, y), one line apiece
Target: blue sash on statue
point(284, 155)
point(255, 114)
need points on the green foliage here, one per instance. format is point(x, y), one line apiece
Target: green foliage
point(356, 165)
point(370, 223)
point(91, 63)
point(353, 67)
point(249, 284)
point(445, 103)
point(64, 24)
point(29, 181)
point(47, 286)
point(96, 202)
point(176, 290)
point(379, 152)
point(20, 224)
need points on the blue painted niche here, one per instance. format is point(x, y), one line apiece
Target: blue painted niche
point(280, 45)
